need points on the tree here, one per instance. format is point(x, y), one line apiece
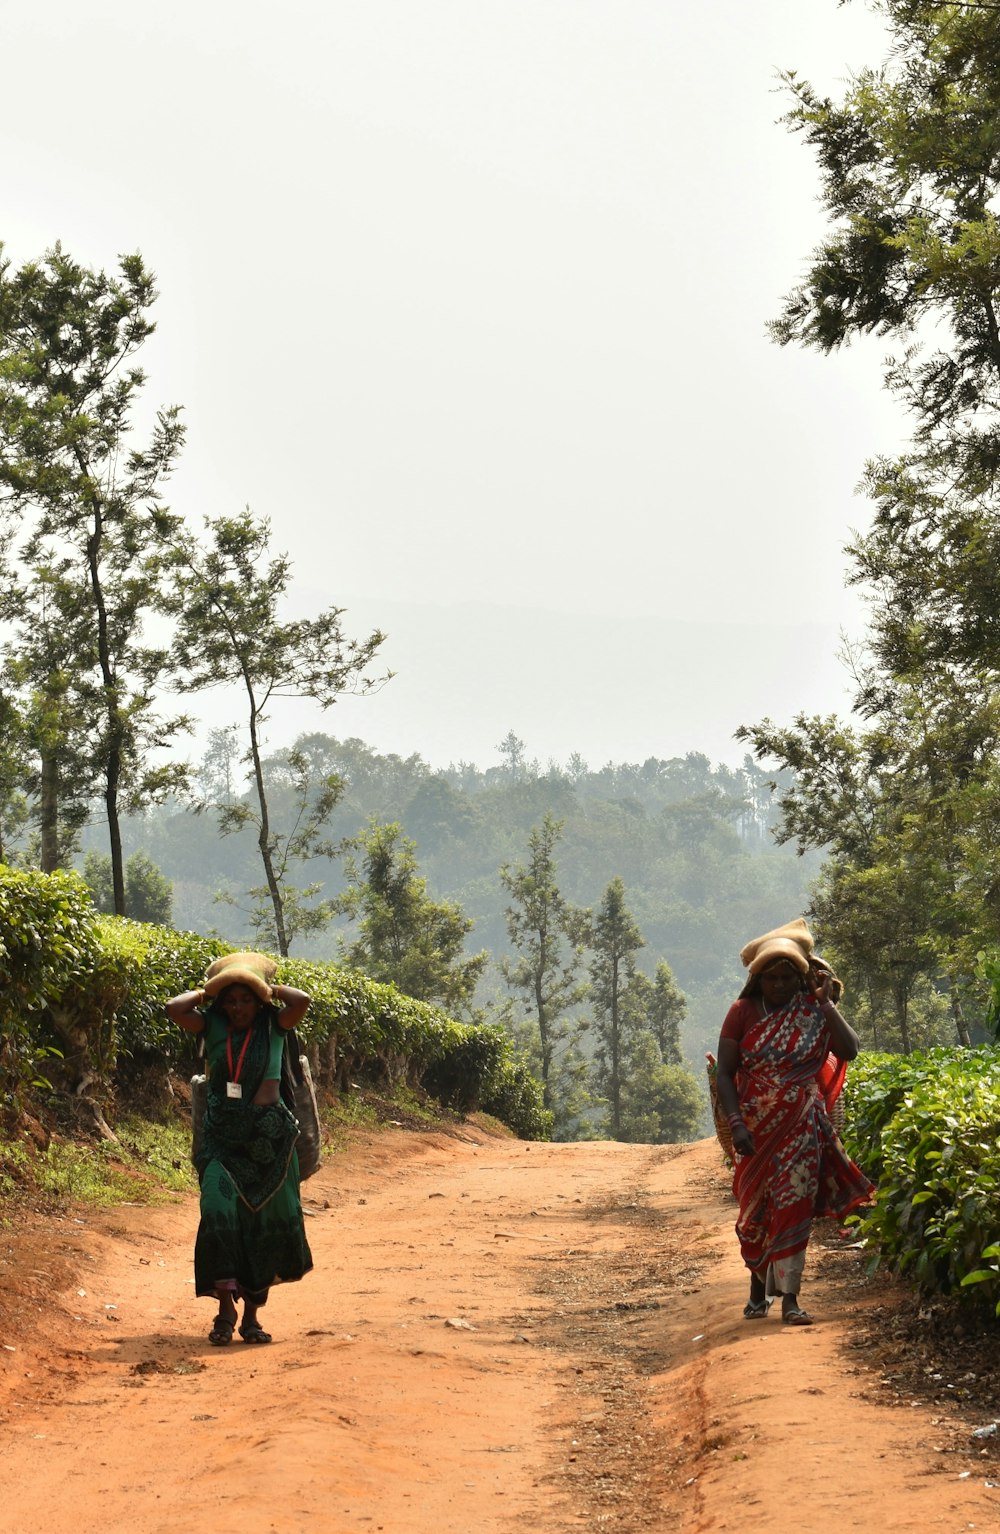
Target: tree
point(227, 600)
point(910, 179)
point(14, 772)
point(661, 1103)
point(300, 797)
point(90, 506)
point(516, 768)
point(667, 1010)
point(405, 938)
point(219, 777)
point(904, 824)
point(47, 667)
point(148, 893)
point(876, 927)
point(549, 935)
point(614, 942)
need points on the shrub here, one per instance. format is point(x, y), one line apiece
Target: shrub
point(92, 988)
point(927, 1126)
point(49, 951)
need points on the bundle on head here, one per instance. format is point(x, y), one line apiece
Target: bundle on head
point(255, 970)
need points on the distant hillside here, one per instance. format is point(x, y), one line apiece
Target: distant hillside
point(690, 840)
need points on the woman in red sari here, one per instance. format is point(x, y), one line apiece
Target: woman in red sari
point(783, 1054)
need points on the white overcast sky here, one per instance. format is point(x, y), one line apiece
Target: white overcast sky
point(469, 297)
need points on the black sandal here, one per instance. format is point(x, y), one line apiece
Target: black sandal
point(756, 1310)
point(252, 1331)
point(221, 1334)
point(796, 1316)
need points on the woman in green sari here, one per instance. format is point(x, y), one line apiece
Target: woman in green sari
point(251, 1234)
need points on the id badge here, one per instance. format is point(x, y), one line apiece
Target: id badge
point(233, 1089)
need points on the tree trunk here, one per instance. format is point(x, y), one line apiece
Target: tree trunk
point(961, 1026)
point(49, 812)
point(902, 995)
point(115, 831)
point(264, 840)
point(616, 1080)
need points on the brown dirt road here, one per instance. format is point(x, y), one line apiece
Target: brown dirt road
point(497, 1336)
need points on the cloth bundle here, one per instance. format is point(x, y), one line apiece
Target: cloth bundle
point(793, 942)
point(254, 970)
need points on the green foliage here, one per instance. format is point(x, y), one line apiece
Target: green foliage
point(14, 772)
point(149, 1162)
point(515, 1098)
point(480, 1070)
point(666, 1012)
point(230, 630)
point(662, 1103)
point(548, 935)
point(615, 940)
point(910, 805)
point(910, 178)
point(98, 984)
point(148, 895)
point(49, 951)
point(405, 937)
point(908, 810)
point(926, 1128)
point(141, 967)
point(85, 500)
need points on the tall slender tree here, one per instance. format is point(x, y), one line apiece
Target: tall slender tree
point(667, 1011)
point(14, 772)
point(85, 500)
point(550, 936)
point(47, 664)
point(228, 600)
point(615, 941)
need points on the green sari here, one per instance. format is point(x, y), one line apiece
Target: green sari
point(251, 1234)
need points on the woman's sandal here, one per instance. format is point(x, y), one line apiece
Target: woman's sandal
point(252, 1331)
point(221, 1334)
point(794, 1316)
point(755, 1310)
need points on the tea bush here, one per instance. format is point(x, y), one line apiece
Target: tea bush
point(925, 1127)
point(87, 993)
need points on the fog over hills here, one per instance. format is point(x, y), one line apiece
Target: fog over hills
point(612, 689)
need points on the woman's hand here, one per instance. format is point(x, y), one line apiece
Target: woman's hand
point(183, 1010)
point(725, 1084)
point(822, 984)
point(293, 1004)
point(843, 1040)
point(742, 1140)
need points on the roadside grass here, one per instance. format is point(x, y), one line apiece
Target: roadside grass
point(366, 1107)
point(152, 1161)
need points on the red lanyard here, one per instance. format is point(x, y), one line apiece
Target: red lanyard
point(235, 1075)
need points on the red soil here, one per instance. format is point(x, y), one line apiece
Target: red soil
point(497, 1336)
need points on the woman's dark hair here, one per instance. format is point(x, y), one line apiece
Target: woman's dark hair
point(217, 999)
point(752, 987)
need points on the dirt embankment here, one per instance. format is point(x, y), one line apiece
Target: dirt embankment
point(497, 1336)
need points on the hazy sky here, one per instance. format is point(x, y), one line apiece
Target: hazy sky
point(469, 297)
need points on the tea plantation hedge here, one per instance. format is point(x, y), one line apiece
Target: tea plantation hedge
point(925, 1127)
point(81, 1005)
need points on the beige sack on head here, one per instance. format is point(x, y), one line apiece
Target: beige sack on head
point(793, 941)
point(255, 970)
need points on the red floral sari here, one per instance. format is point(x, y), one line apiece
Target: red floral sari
point(787, 1082)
